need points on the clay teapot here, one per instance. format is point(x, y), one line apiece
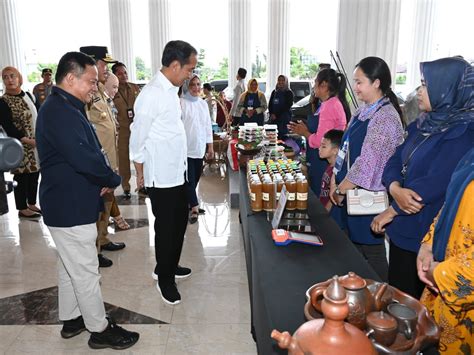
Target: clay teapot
point(361, 301)
point(330, 335)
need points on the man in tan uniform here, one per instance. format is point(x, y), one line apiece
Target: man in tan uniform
point(101, 117)
point(42, 90)
point(124, 101)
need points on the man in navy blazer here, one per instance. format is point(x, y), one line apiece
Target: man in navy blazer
point(76, 175)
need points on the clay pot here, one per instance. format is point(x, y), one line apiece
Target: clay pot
point(331, 335)
point(383, 328)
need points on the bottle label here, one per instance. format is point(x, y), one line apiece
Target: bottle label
point(291, 196)
point(252, 196)
point(302, 196)
point(265, 196)
point(277, 196)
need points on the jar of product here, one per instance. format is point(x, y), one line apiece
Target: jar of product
point(268, 193)
point(290, 184)
point(279, 185)
point(256, 194)
point(301, 193)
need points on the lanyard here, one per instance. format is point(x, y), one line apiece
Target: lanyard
point(407, 160)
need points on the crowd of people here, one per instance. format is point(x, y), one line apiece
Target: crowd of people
point(83, 133)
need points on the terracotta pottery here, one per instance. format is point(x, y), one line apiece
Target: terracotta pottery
point(383, 328)
point(331, 335)
point(426, 332)
point(361, 301)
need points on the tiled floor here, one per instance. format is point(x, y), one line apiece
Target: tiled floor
point(213, 318)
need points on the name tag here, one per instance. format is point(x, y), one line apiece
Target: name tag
point(130, 114)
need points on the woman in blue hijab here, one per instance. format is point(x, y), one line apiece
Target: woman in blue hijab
point(418, 174)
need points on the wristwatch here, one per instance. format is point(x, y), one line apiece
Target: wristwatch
point(339, 192)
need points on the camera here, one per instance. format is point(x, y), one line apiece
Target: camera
point(11, 155)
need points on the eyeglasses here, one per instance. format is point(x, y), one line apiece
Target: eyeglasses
point(9, 76)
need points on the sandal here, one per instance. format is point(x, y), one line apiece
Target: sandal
point(193, 218)
point(121, 223)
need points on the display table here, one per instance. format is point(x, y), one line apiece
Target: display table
point(279, 276)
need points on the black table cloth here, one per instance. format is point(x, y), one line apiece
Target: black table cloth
point(279, 276)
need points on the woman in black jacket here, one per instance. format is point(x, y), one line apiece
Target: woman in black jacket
point(279, 106)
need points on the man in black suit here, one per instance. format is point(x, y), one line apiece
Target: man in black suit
point(76, 175)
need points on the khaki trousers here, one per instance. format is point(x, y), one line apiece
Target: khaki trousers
point(78, 276)
point(124, 157)
point(103, 221)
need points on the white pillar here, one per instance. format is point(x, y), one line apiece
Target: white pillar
point(368, 28)
point(11, 45)
point(278, 41)
point(159, 12)
point(240, 26)
point(121, 36)
point(422, 39)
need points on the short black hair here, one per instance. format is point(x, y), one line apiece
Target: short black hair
point(242, 73)
point(207, 86)
point(177, 50)
point(72, 62)
point(335, 137)
point(118, 65)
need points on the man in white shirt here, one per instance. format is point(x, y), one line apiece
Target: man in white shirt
point(238, 90)
point(158, 150)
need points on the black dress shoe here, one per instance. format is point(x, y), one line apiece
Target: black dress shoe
point(32, 217)
point(114, 337)
point(142, 192)
point(113, 246)
point(127, 195)
point(104, 262)
point(73, 327)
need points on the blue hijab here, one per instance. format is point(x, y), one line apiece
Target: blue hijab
point(462, 176)
point(450, 84)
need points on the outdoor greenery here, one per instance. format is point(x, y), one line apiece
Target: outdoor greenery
point(143, 73)
point(35, 77)
point(400, 79)
point(297, 68)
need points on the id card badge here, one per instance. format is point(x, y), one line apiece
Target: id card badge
point(276, 101)
point(130, 114)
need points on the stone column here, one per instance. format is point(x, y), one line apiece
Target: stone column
point(159, 12)
point(121, 35)
point(422, 38)
point(240, 25)
point(11, 45)
point(368, 28)
point(278, 41)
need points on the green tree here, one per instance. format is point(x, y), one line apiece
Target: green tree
point(223, 71)
point(298, 69)
point(200, 58)
point(259, 70)
point(143, 73)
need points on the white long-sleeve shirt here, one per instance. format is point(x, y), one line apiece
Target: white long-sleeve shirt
point(198, 126)
point(158, 139)
point(238, 90)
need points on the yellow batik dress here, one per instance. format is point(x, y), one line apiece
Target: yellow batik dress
point(453, 308)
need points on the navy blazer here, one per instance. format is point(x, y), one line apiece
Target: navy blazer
point(428, 173)
point(73, 167)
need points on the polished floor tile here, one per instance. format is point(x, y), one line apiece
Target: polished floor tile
point(213, 318)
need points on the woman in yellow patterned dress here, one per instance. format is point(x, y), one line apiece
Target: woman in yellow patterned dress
point(446, 263)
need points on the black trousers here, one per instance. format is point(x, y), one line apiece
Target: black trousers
point(194, 174)
point(170, 208)
point(376, 257)
point(26, 190)
point(402, 272)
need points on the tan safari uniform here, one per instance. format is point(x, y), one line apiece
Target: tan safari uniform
point(101, 117)
point(124, 101)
